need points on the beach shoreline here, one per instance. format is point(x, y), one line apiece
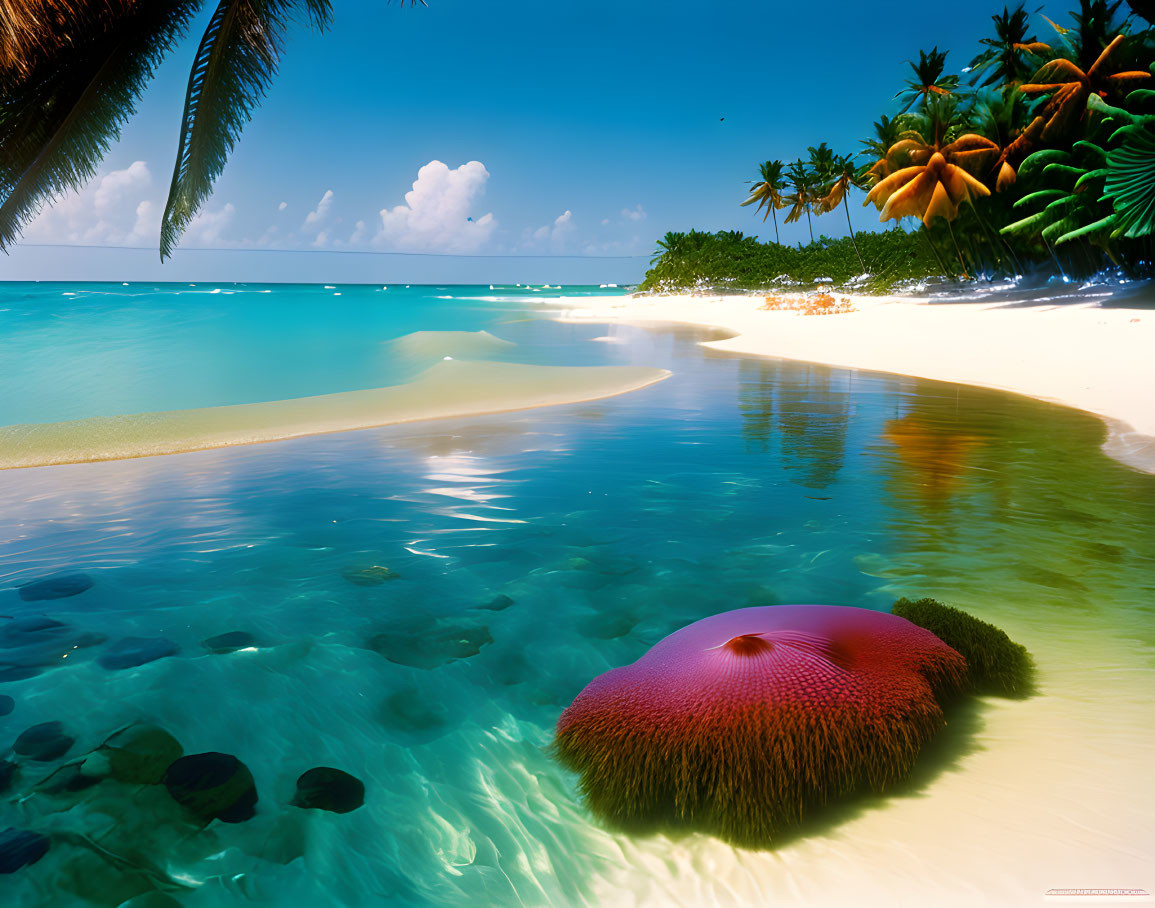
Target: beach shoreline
point(1082, 355)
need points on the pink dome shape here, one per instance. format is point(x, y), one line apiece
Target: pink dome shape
point(740, 723)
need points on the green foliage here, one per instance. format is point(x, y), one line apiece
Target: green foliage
point(928, 78)
point(66, 92)
point(1011, 55)
point(730, 260)
point(1130, 181)
point(58, 120)
point(1048, 164)
point(995, 663)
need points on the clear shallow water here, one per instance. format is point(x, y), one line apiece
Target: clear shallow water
point(72, 351)
point(609, 524)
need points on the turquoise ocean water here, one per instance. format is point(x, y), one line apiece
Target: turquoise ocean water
point(531, 551)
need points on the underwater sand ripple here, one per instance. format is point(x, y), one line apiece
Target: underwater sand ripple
point(449, 389)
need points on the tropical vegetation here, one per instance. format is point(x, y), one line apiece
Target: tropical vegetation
point(1038, 155)
point(72, 71)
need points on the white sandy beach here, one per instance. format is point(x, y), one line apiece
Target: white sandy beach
point(1059, 780)
point(1082, 356)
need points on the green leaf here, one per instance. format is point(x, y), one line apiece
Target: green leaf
point(1029, 225)
point(1092, 150)
point(1057, 171)
point(1141, 96)
point(1041, 159)
point(1130, 184)
point(233, 67)
point(1089, 177)
point(1064, 225)
point(1097, 104)
point(1102, 225)
point(1043, 195)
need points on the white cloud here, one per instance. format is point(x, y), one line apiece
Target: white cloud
point(554, 236)
point(282, 206)
point(634, 214)
point(436, 216)
point(205, 229)
point(318, 214)
point(113, 209)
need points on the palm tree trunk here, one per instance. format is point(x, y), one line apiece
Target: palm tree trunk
point(1058, 265)
point(810, 223)
point(992, 237)
point(853, 241)
point(934, 249)
point(959, 251)
point(775, 215)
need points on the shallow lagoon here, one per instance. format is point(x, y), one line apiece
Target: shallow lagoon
point(608, 524)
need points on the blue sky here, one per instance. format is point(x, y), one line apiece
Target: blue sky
point(559, 128)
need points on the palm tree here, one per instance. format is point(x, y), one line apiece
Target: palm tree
point(670, 244)
point(801, 198)
point(72, 71)
point(1003, 119)
point(842, 173)
point(1069, 88)
point(1095, 24)
point(887, 131)
point(938, 176)
point(767, 192)
point(1003, 60)
point(928, 79)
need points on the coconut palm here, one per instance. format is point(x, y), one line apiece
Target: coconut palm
point(802, 196)
point(767, 192)
point(931, 178)
point(928, 79)
point(1007, 59)
point(1070, 87)
point(1096, 23)
point(841, 174)
point(887, 131)
point(72, 71)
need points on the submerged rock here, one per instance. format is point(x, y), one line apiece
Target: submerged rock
point(129, 652)
point(213, 786)
point(20, 847)
point(416, 715)
point(7, 774)
point(429, 648)
point(498, 603)
point(369, 575)
point(43, 742)
point(325, 788)
point(140, 754)
point(7, 704)
point(61, 586)
point(29, 645)
point(228, 642)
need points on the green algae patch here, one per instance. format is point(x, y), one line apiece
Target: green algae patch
point(995, 663)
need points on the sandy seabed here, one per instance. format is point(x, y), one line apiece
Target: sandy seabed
point(450, 388)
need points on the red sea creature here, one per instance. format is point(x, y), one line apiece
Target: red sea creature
point(741, 723)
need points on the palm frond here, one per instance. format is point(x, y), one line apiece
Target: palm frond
point(1130, 184)
point(63, 107)
point(234, 65)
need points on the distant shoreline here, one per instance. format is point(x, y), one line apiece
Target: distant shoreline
point(1098, 360)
